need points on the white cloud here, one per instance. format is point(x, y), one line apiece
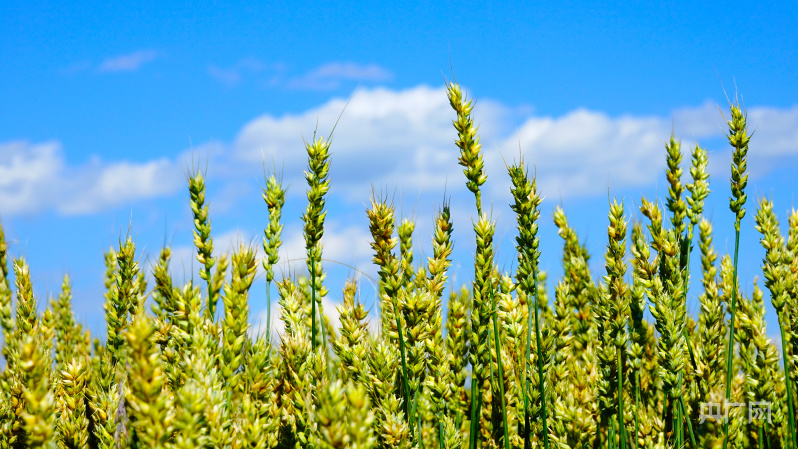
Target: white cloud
point(384, 137)
point(775, 131)
point(404, 140)
point(331, 75)
point(128, 62)
point(342, 245)
point(35, 177)
point(580, 152)
point(26, 175)
point(101, 186)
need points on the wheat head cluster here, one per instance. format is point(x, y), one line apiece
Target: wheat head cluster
point(507, 364)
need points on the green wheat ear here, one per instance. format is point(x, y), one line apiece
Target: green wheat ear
point(67, 332)
point(777, 275)
point(317, 177)
point(352, 348)
point(274, 196)
point(236, 316)
point(468, 142)
point(675, 202)
point(381, 225)
point(123, 298)
point(442, 247)
point(712, 320)
point(526, 206)
point(149, 407)
point(699, 188)
point(38, 415)
point(481, 322)
point(618, 300)
point(738, 138)
point(72, 422)
point(405, 231)
point(6, 323)
point(458, 332)
point(202, 238)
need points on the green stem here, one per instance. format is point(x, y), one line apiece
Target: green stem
point(675, 422)
point(528, 350)
point(687, 249)
point(397, 316)
point(611, 436)
point(312, 303)
point(637, 408)
point(501, 368)
point(541, 385)
point(689, 424)
point(324, 341)
point(211, 309)
point(683, 412)
point(681, 426)
point(767, 440)
point(621, 427)
point(321, 317)
point(788, 382)
point(472, 435)
point(269, 315)
point(730, 348)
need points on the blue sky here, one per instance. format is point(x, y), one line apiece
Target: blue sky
point(105, 105)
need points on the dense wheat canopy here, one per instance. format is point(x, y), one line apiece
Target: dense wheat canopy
point(615, 361)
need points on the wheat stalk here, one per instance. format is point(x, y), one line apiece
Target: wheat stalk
point(738, 138)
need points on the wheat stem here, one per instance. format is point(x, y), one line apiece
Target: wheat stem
point(730, 346)
point(788, 382)
point(501, 368)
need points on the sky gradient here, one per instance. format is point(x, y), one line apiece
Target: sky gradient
point(107, 106)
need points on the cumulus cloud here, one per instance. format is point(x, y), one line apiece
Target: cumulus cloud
point(404, 139)
point(130, 62)
point(582, 153)
point(26, 174)
point(35, 177)
point(578, 153)
point(775, 131)
point(384, 137)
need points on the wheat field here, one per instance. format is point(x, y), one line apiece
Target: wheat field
point(601, 362)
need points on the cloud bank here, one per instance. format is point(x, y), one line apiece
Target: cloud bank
point(35, 178)
point(404, 140)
